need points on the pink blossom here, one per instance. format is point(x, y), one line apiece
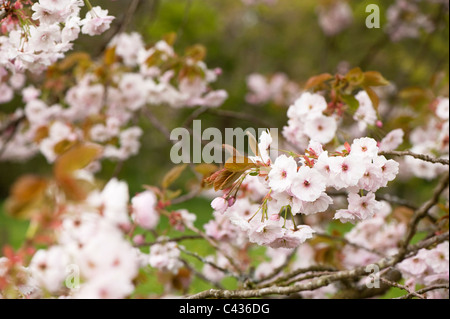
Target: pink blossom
point(282, 174)
point(143, 210)
point(365, 147)
point(96, 22)
point(321, 128)
point(347, 171)
point(308, 185)
point(292, 238)
point(219, 204)
point(265, 233)
point(392, 140)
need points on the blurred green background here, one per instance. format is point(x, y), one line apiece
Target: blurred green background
point(242, 40)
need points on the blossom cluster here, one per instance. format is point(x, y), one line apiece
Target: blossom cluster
point(405, 20)
point(299, 186)
point(35, 35)
point(102, 111)
point(431, 139)
point(277, 89)
point(335, 17)
point(377, 236)
point(92, 255)
point(428, 267)
point(310, 118)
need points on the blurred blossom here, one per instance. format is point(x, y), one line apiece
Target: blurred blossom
point(405, 20)
point(335, 17)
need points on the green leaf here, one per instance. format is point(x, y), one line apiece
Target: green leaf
point(373, 97)
point(317, 80)
point(355, 77)
point(173, 175)
point(196, 52)
point(351, 101)
point(373, 78)
point(239, 164)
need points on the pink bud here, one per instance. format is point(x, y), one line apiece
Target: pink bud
point(231, 201)
point(219, 204)
point(139, 239)
point(379, 123)
point(275, 217)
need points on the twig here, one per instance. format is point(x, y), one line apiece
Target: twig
point(413, 249)
point(177, 239)
point(157, 124)
point(424, 290)
point(422, 157)
point(239, 116)
point(200, 275)
point(347, 242)
point(186, 197)
point(304, 277)
point(11, 129)
point(313, 269)
point(397, 285)
point(205, 261)
point(277, 270)
point(121, 26)
point(397, 201)
point(128, 15)
point(195, 115)
point(215, 246)
point(298, 287)
point(421, 213)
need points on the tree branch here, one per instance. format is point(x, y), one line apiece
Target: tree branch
point(308, 286)
point(421, 213)
point(422, 157)
point(397, 285)
point(424, 290)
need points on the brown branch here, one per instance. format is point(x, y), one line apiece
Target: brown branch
point(204, 261)
point(157, 124)
point(200, 275)
point(315, 283)
point(10, 129)
point(186, 197)
point(424, 290)
point(422, 157)
point(362, 291)
point(120, 26)
point(316, 269)
point(194, 115)
point(397, 285)
point(239, 116)
point(277, 270)
point(413, 249)
point(347, 242)
point(177, 239)
point(421, 213)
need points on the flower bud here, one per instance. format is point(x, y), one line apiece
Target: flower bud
point(219, 204)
